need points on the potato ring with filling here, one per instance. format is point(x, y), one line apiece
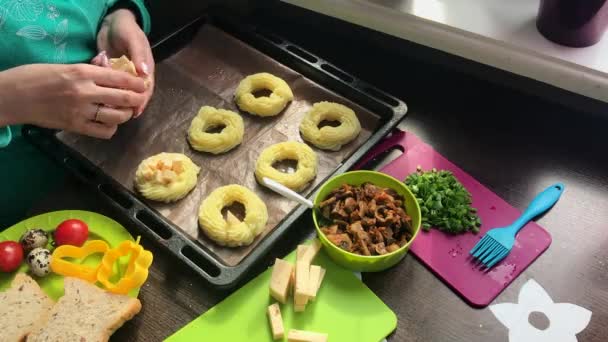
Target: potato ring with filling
point(306, 170)
point(231, 231)
point(265, 105)
point(327, 137)
point(216, 143)
point(166, 177)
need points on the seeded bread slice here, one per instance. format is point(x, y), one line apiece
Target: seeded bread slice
point(21, 307)
point(86, 313)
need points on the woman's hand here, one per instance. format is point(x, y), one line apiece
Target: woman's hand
point(121, 35)
point(68, 96)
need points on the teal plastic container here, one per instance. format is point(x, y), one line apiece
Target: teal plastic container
point(358, 262)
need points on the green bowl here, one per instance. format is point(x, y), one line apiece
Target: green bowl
point(358, 262)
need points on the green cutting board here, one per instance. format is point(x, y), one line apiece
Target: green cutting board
point(344, 308)
point(100, 228)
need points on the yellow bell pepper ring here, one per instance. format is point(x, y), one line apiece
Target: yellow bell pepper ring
point(137, 269)
point(71, 269)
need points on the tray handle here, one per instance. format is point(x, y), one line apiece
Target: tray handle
point(188, 251)
point(394, 140)
point(151, 225)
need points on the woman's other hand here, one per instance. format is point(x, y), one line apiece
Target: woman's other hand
point(121, 35)
point(68, 97)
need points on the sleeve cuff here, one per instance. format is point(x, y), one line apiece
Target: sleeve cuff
point(5, 136)
point(139, 9)
point(144, 15)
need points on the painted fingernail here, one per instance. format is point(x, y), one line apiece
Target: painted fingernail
point(144, 68)
point(96, 59)
point(101, 54)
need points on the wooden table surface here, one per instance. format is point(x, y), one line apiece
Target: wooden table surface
point(513, 143)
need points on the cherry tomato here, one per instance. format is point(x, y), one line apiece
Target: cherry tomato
point(71, 232)
point(11, 256)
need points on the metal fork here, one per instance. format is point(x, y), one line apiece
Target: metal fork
point(498, 242)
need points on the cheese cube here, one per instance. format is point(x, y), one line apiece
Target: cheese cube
point(298, 307)
point(292, 280)
point(300, 252)
point(313, 282)
point(276, 321)
point(301, 288)
point(311, 252)
point(305, 336)
point(321, 276)
point(280, 280)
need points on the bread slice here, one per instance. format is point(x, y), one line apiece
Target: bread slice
point(86, 313)
point(21, 307)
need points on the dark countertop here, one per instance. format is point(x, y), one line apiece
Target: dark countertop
point(513, 143)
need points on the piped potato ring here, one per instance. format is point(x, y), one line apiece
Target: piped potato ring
point(264, 105)
point(166, 177)
point(232, 232)
point(216, 143)
point(327, 137)
point(306, 170)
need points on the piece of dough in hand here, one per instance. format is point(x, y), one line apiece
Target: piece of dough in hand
point(124, 64)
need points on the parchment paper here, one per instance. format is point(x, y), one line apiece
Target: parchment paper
point(206, 72)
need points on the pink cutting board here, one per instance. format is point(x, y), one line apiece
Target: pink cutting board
point(448, 255)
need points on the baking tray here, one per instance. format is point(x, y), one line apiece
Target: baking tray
point(201, 65)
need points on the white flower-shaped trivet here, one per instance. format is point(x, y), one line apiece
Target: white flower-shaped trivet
point(565, 319)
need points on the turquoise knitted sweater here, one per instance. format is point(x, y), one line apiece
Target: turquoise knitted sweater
point(43, 31)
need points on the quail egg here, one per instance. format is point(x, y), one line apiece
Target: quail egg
point(39, 261)
point(34, 238)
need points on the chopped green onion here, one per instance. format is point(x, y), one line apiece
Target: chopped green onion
point(444, 202)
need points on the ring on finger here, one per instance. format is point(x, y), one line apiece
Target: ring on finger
point(96, 119)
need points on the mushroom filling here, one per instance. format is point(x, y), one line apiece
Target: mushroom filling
point(367, 219)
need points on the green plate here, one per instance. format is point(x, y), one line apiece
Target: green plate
point(100, 228)
point(345, 309)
